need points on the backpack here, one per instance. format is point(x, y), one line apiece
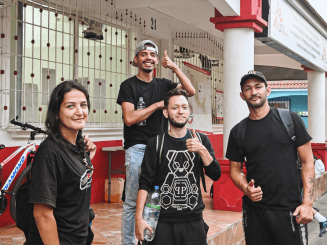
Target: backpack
point(24, 212)
point(160, 142)
point(284, 116)
point(24, 209)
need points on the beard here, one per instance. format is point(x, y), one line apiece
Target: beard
point(177, 124)
point(147, 70)
point(253, 105)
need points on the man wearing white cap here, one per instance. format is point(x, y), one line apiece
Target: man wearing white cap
point(142, 124)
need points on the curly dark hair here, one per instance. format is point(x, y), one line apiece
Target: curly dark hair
point(52, 121)
point(173, 92)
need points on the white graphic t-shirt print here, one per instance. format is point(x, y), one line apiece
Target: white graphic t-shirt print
point(86, 179)
point(180, 189)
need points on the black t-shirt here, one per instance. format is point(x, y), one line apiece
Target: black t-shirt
point(130, 91)
point(61, 180)
point(178, 177)
point(271, 159)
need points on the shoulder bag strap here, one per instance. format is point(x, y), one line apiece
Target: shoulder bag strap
point(287, 121)
point(201, 167)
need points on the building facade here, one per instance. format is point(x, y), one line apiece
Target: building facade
point(44, 42)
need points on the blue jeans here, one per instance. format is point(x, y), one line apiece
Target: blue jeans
point(133, 160)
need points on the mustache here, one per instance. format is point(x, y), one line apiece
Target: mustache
point(255, 96)
point(148, 61)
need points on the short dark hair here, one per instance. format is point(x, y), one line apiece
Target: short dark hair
point(149, 45)
point(52, 121)
point(173, 92)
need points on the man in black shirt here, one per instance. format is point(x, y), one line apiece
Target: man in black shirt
point(175, 164)
point(273, 211)
point(142, 124)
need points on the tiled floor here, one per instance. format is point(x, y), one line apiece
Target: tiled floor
point(225, 227)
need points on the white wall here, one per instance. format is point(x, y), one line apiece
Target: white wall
point(227, 7)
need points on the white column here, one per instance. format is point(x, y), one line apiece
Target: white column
point(325, 107)
point(316, 106)
point(238, 60)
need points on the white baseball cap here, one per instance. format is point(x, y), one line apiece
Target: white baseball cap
point(142, 46)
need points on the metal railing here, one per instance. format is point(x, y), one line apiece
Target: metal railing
point(44, 44)
point(206, 52)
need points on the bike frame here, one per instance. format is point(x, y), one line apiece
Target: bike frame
point(29, 147)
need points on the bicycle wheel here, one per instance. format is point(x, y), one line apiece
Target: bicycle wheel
point(18, 183)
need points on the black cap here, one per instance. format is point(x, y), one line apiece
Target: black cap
point(251, 73)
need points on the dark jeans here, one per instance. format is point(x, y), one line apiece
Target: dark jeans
point(272, 227)
point(188, 233)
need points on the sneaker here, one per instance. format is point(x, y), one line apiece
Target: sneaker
point(323, 228)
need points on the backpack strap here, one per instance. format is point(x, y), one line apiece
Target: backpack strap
point(287, 121)
point(198, 134)
point(201, 167)
point(159, 145)
point(285, 116)
point(240, 135)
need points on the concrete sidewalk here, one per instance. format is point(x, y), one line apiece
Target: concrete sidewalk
point(225, 226)
point(313, 227)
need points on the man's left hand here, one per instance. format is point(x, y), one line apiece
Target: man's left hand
point(166, 61)
point(303, 214)
point(90, 146)
point(194, 145)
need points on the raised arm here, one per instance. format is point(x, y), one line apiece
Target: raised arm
point(304, 212)
point(185, 82)
point(132, 116)
point(207, 154)
point(194, 145)
point(239, 179)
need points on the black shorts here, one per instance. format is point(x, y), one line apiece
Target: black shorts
point(272, 227)
point(187, 233)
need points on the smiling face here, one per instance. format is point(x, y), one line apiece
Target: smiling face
point(177, 111)
point(146, 60)
point(73, 113)
point(255, 93)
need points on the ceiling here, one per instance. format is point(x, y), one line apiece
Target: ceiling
point(195, 14)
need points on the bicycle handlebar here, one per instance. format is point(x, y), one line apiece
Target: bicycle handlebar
point(26, 125)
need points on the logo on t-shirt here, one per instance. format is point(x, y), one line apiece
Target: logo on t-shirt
point(180, 190)
point(86, 179)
